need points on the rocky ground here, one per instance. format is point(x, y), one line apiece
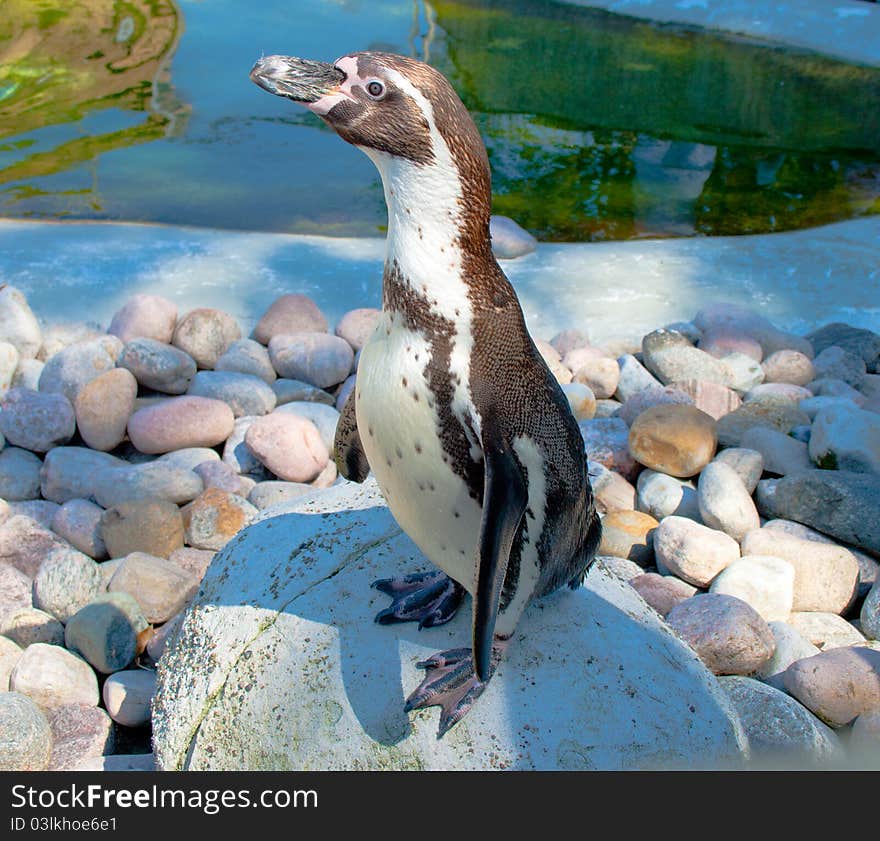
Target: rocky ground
point(737, 468)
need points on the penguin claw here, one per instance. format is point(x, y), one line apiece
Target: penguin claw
point(429, 598)
point(451, 684)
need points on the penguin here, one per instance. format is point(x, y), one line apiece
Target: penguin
point(466, 430)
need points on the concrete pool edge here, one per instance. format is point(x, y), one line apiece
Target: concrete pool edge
point(74, 271)
point(848, 30)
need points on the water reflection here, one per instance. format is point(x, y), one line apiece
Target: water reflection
point(624, 129)
point(80, 79)
point(598, 127)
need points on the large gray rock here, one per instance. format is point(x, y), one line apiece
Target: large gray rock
point(836, 502)
point(283, 622)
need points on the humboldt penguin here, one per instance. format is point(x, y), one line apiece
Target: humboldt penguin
point(454, 410)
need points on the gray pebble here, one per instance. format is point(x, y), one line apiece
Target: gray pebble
point(79, 732)
point(77, 364)
point(238, 455)
point(53, 676)
point(36, 421)
point(27, 374)
point(128, 695)
point(65, 582)
point(19, 474)
point(15, 590)
point(160, 586)
point(27, 626)
point(156, 365)
point(104, 634)
point(266, 494)
point(245, 394)
point(70, 472)
point(78, 521)
point(25, 735)
point(287, 391)
point(246, 356)
point(189, 458)
point(509, 240)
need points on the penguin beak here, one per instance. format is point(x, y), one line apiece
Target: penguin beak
point(299, 79)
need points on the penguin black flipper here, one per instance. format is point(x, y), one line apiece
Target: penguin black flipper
point(505, 498)
point(348, 452)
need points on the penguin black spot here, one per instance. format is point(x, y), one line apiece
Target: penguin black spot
point(456, 514)
point(418, 448)
point(370, 431)
point(431, 486)
point(399, 452)
point(404, 382)
point(416, 396)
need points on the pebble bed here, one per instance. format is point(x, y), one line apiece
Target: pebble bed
point(736, 468)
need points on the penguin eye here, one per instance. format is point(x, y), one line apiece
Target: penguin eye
point(375, 89)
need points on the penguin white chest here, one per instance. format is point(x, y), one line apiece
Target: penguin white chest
point(399, 428)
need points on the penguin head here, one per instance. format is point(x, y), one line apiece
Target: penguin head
point(380, 102)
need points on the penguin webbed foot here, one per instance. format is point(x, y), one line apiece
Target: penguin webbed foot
point(451, 683)
point(429, 598)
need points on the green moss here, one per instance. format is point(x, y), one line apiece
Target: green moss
point(827, 461)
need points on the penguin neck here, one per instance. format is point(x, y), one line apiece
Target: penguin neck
point(433, 239)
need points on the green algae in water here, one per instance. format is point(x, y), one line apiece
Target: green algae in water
point(609, 128)
point(597, 126)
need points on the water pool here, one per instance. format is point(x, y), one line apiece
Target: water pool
point(598, 126)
